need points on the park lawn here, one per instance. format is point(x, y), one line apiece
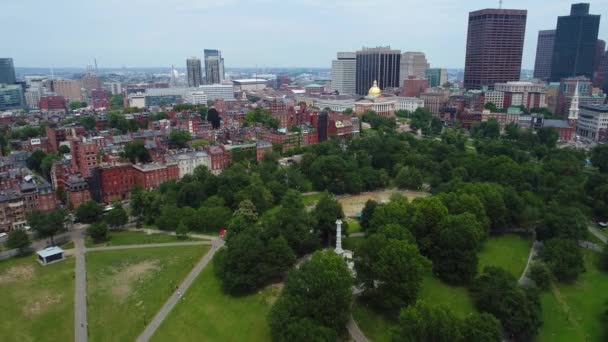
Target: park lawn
point(136, 238)
point(206, 313)
point(353, 226)
point(126, 288)
point(575, 312)
point(352, 243)
point(311, 199)
point(68, 245)
point(37, 301)
point(509, 251)
point(378, 327)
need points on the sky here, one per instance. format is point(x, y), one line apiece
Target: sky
point(250, 33)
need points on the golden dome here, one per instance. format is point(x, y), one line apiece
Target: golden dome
point(374, 91)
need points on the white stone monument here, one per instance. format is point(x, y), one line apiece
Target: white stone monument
point(339, 249)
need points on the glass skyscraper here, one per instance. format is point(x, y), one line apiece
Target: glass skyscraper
point(575, 44)
point(7, 71)
point(377, 64)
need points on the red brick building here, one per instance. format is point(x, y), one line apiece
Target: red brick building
point(151, 176)
point(220, 159)
point(99, 98)
point(52, 103)
point(84, 156)
point(113, 182)
point(413, 87)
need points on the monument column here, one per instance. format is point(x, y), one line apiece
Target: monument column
point(339, 249)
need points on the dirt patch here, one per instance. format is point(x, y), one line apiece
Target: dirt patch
point(353, 204)
point(41, 304)
point(17, 273)
point(124, 279)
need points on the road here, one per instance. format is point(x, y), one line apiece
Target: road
point(80, 292)
point(149, 245)
point(175, 297)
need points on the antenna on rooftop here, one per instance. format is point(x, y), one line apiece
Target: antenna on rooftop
point(500, 4)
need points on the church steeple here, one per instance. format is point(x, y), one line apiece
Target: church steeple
point(573, 114)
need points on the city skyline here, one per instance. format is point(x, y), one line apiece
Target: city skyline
point(236, 28)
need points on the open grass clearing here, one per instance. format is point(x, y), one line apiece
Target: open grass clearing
point(126, 288)
point(509, 251)
point(575, 312)
point(123, 238)
point(206, 313)
point(37, 301)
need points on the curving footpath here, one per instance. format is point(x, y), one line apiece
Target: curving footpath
point(182, 288)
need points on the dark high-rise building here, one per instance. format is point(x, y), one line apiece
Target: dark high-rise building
point(495, 44)
point(544, 54)
point(194, 72)
point(598, 64)
point(575, 43)
point(380, 64)
point(7, 71)
point(214, 67)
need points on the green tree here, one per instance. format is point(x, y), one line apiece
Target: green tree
point(423, 322)
point(455, 249)
point(179, 138)
point(116, 218)
point(136, 151)
point(391, 271)
point(599, 157)
point(319, 291)
point(64, 149)
point(481, 328)
point(245, 216)
point(324, 216)
point(47, 224)
point(89, 212)
point(548, 136)
point(367, 213)
point(488, 129)
point(18, 239)
point(409, 178)
point(77, 105)
point(98, 232)
point(541, 275)
point(47, 164)
point(496, 291)
point(564, 258)
point(182, 231)
point(34, 162)
point(261, 116)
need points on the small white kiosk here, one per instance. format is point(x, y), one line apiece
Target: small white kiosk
point(50, 255)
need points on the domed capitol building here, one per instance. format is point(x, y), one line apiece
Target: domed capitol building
point(383, 106)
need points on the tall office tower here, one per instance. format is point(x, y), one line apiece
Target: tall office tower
point(575, 43)
point(90, 81)
point(412, 64)
point(69, 89)
point(195, 72)
point(377, 64)
point(544, 54)
point(214, 67)
point(7, 71)
point(344, 73)
point(598, 67)
point(495, 43)
point(436, 77)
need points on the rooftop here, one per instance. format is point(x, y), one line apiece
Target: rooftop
point(49, 251)
point(596, 107)
point(556, 123)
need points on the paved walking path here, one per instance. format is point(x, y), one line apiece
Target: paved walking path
point(80, 288)
point(172, 301)
point(149, 245)
point(358, 234)
point(355, 333)
point(598, 234)
point(591, 246)
point(156, 231)
point(523, 279)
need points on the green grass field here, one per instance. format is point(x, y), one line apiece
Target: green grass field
point(375, 326)
point(507, 251)
point(353, 226)
point(126, 288)
point(311, 199)
point(352, 243)
point(37, 301)
point(136, 238)
point(576, 312)
point(208, 314)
